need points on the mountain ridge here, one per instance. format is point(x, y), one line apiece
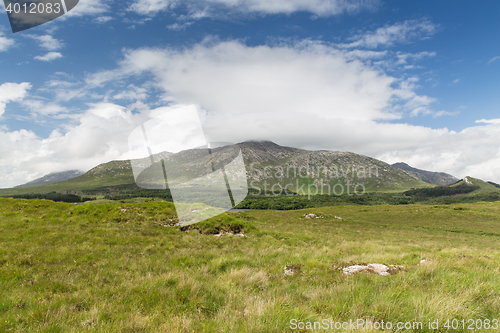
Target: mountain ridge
point(431, 177)
point(267, 164)
point(53, 177)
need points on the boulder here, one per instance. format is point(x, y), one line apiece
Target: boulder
point(354, 269)
point(379, 269)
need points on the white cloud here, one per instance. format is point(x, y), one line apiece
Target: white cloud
point(147, 7)
point(49, 56)
point(89, 7)
point(47, 42)
point(388, 35)
point(179, 27)
point(412, 102)
point(5, 43)
point(493, 59)
point(202, 8)
point(64, 87)
point(364, 54)
point(100, 135)
point(445, 113)
point(12, 92)
point(403, 58)
point(39, 107)
point(134, 93)
point(229, 77)
point(488, 121)
point(102, 19)
point(472, 152)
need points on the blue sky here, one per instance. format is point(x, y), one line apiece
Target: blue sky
point(399, 81)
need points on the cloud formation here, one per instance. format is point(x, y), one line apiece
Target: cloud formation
point(12, 92)
point(201, 8)
point(89, 7)
point(5, 43)
point(50, 56)
point(100, 135)
point(47, 42)
point(232, 78)
point(179, 27)
point(102, 19)
point(39, 107)
point(493, 60)
point(403, 32)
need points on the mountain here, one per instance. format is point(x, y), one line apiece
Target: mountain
point(269, 167)
point(468, 189)
point(54, 177)
point(270, 163)
point(483, 187)
point(437, 178)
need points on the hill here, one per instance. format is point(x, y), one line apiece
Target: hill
point(54, 177)
point(109, 174)
point(437, 178)
point(468, 189)
point(270, 168)
point(484, 188)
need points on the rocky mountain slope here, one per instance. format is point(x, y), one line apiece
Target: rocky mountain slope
point(273, 164)
point(54, 177)
point(437, 178)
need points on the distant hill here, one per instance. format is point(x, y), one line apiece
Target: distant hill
point(267, 164)
point(437, 178)
point(483, 187)
point(54, 177)
point(468, 189)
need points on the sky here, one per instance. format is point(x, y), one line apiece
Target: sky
point(400, 81)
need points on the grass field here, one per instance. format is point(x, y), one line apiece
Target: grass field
point(116, 267)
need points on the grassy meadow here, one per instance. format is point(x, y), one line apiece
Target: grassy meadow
point(122, 267)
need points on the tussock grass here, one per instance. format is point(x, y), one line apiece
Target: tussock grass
point(118, 268)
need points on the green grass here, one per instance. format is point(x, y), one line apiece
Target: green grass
point(118, 268)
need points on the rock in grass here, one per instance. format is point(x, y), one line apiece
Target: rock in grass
point(292, 269)
point(354, 269)
point(313, 216)
point(379, 269)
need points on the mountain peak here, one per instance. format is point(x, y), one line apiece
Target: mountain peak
point(259, 143)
